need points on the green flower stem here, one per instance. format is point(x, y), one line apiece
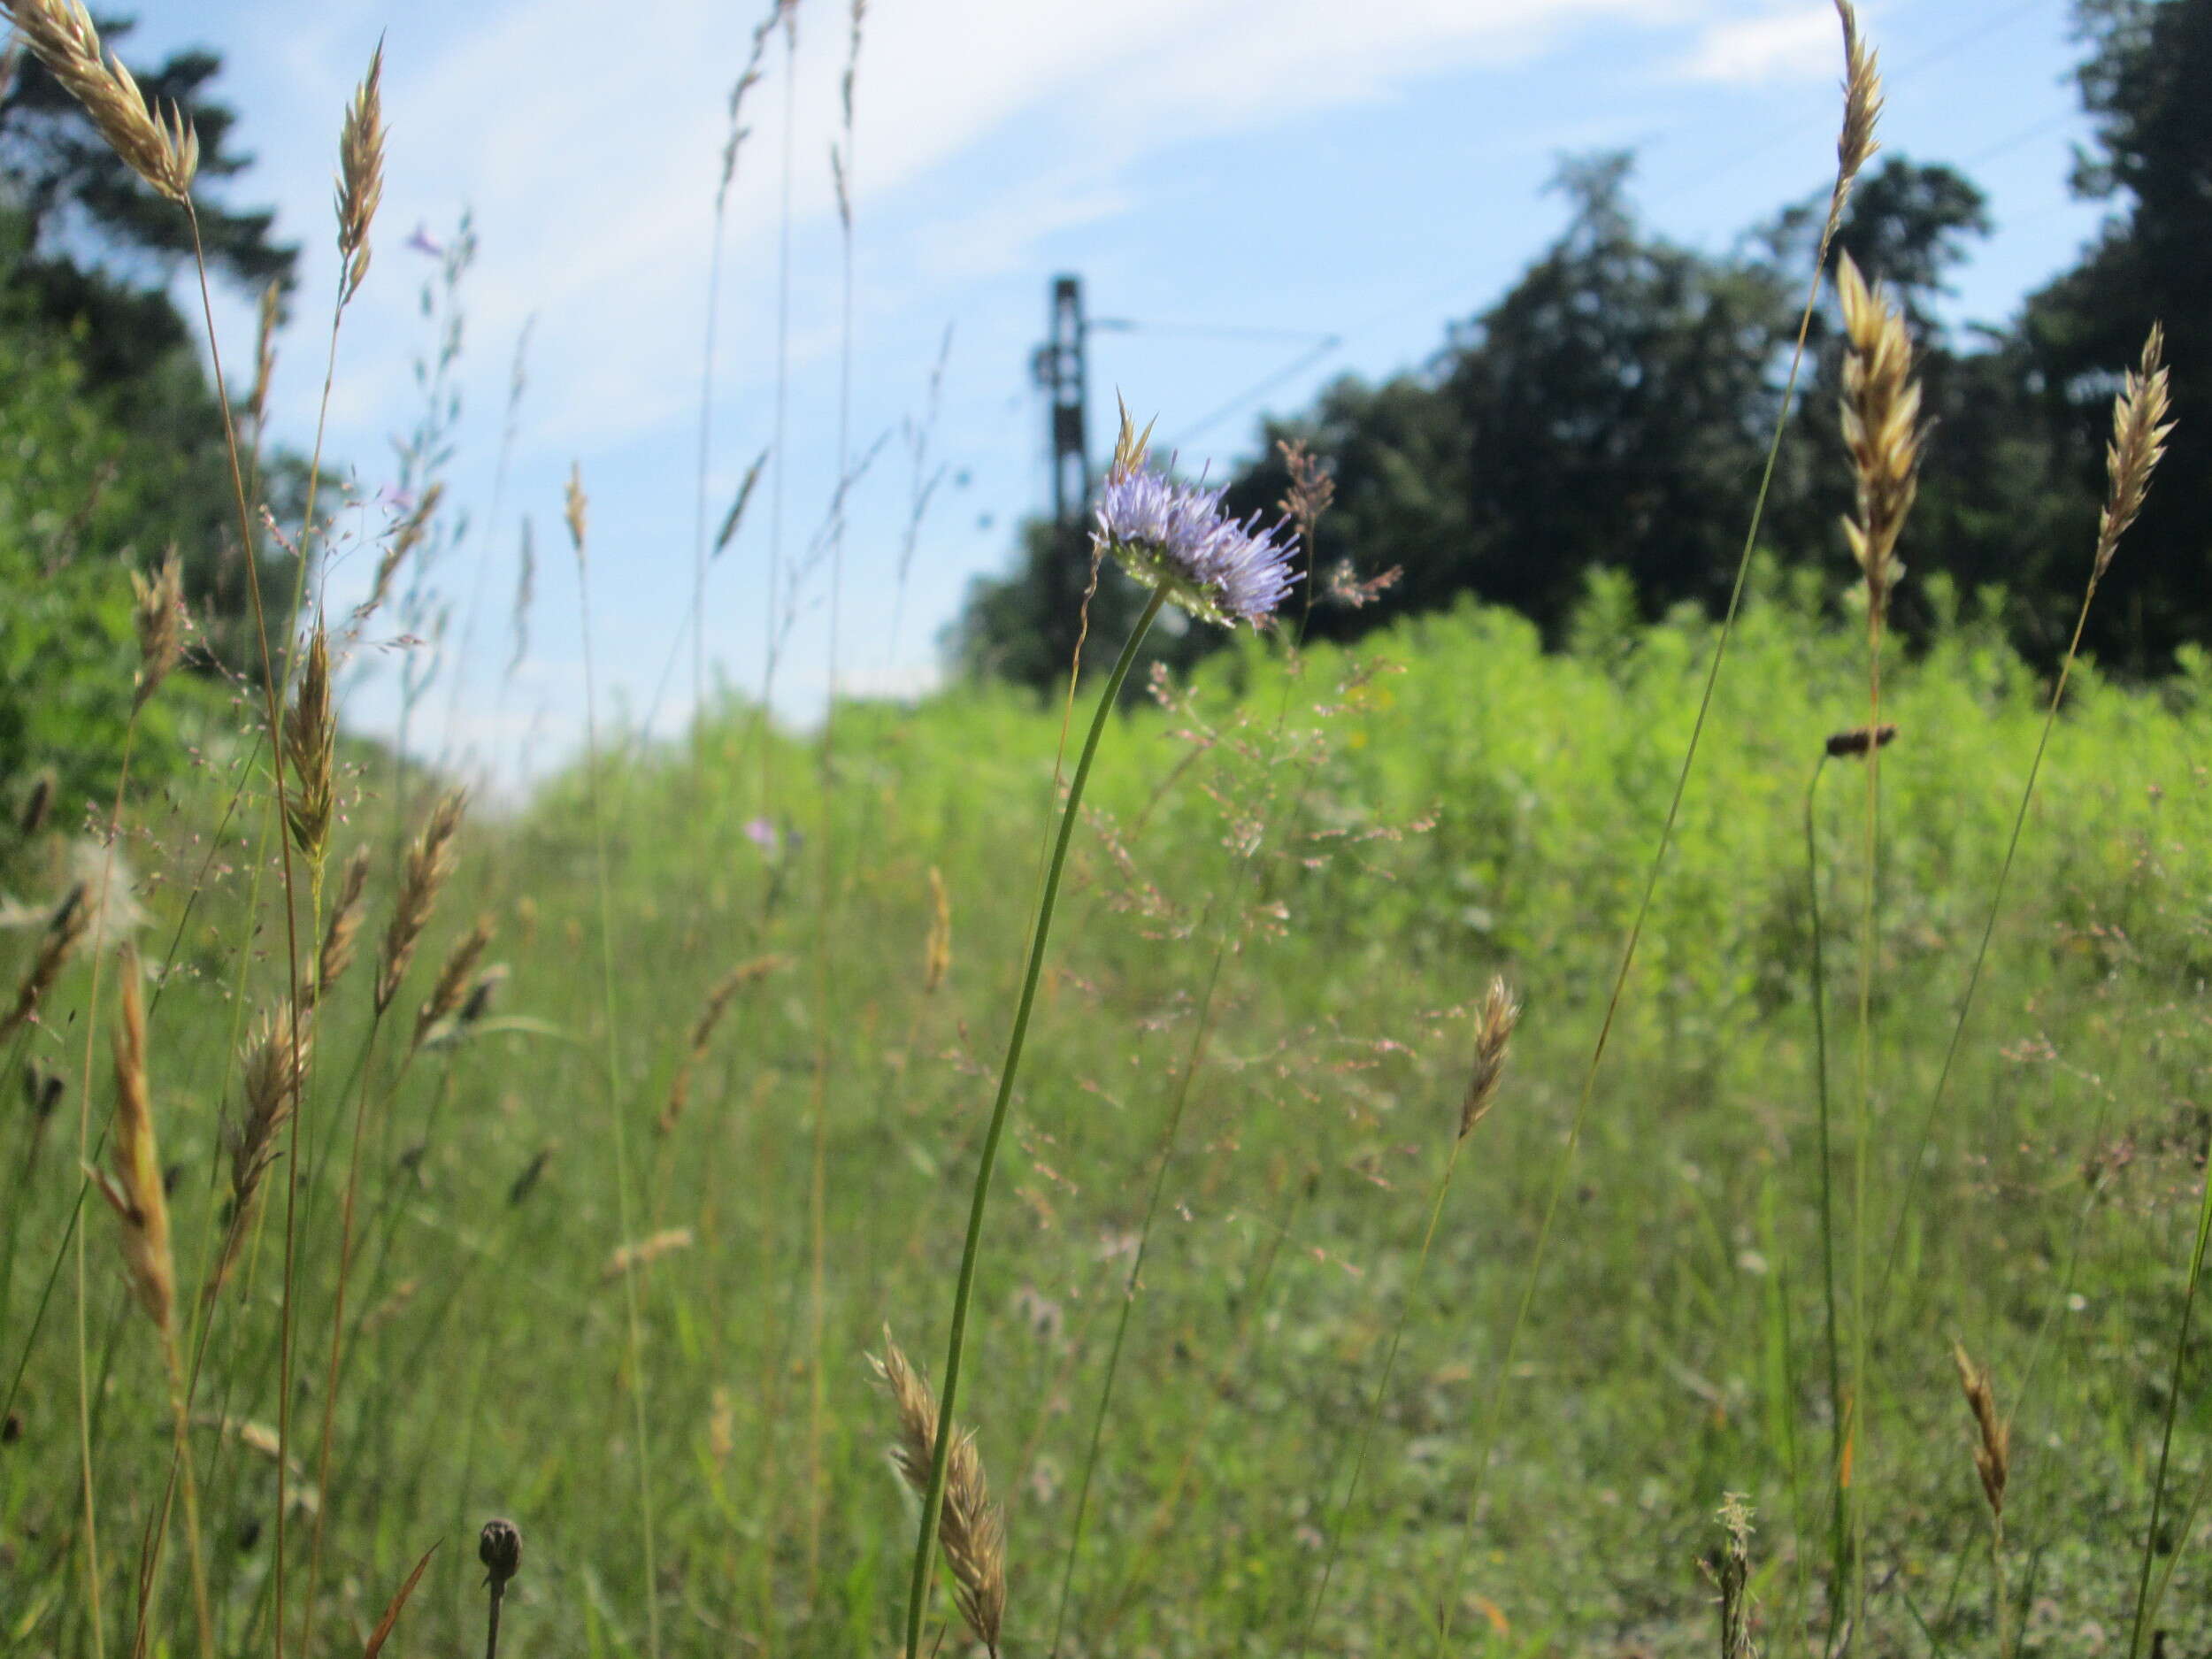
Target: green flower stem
point(918, 1593)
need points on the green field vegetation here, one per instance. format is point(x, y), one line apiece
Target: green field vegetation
point(1371, 837)
point(388, 1163)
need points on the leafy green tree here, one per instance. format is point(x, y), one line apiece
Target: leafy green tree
point(2144, 85)
point(90, 256)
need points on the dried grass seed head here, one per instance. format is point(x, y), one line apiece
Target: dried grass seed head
point(970, 1528)
point(2139, 430)
point(310, 750)
point(360, 176)
point(37, 800)
point(158, 616)
point(66, 929)
point(576, 509)
point(1881, 430)
point(1861, 740)
point(451, 989)
point(342, 936)
point(132, 1184)
point(1993, 1435)
point(1494, 1037)
point(430, 861)
point(937, 960)
point(1861, 109)
point(162, 151)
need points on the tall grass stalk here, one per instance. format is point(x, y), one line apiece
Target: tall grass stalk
point(2139, 431)
point(2146, 1599)
point(1855, 146)
point(616, 1108)
point(272, 714)
point(917, 1589)
point(1839, 1536)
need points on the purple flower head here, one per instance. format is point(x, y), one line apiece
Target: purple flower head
point(422, 241)
point(1176, 536)
point(762, 834)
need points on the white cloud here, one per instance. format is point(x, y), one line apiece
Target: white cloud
point(1789, 44)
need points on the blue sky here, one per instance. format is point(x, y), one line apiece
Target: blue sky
point(1367, 172)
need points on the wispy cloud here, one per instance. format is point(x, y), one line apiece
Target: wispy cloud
point(1792, 44)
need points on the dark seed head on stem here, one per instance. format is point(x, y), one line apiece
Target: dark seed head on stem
point(499, 1546)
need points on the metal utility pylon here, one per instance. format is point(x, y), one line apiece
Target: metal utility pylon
point(1060, 368)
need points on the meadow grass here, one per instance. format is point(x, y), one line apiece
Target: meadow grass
point(1669, 1359)
point(1264, 1348)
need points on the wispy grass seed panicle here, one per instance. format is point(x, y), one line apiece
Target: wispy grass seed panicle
point(1493, 1038)
point(66, 929)
point(720, 996)
point(1993, 1435)
point(311, 749)
point(1881, 429)
point(2139, 430)
point(429, 863)
point(342, 935)
point(403, 539)
point(1856, 142)
point(360, 176)
point(165, 151)
point(450, 989)
point(158, 617)
point(132, 1185)
point(970, 1528)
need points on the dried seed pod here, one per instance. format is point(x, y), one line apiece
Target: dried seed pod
point(1862, 740)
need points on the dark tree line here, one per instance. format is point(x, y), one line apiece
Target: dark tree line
point(90, 260)
point(1613, 408)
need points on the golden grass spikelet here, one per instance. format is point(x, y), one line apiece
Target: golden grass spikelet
point(1493, 1036)
point(970, 1528)
point(1992, 1436)
point(271, 1072)
point(430, 861)
point(360, 176)
point(134, 1189)
point(451, 989)
point(629, 1257)
point(311, 751)
point(1861, 110)
point(1881, 429)
point(163, 152)
point(71, 919)
point(719, 997)
point(158, 617)
point(2139, 430)
point(937, 962)
point(342, 935)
